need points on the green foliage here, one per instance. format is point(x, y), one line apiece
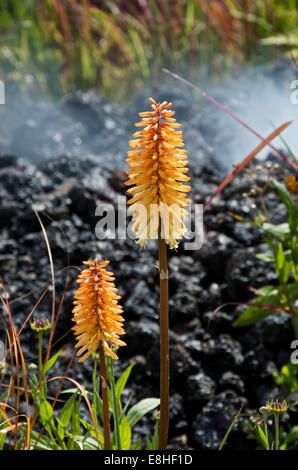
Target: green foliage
point(288, 377)
point(262, 438)
point(50, 363)
point(229, 430)
point(285, 438)
point(282, 241)
point(66, 430)
point(120, 46)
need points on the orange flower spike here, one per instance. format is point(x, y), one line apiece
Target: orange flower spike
point(157, 173)
point(292, 183)
point(96, 312)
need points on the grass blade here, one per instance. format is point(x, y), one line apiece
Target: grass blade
point(230, 429)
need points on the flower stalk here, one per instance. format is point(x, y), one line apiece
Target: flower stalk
point(40, 326)
point(164, 343)
point(105, 398)
point(99, 323)
point(276, 423)
point(40, 376)
point(157, 175)
point(114, 404)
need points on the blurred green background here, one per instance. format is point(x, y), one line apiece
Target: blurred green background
point(58, 46)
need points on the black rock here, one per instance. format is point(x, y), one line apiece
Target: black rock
point(212, 423)
point(224, 352)
point(200, 389)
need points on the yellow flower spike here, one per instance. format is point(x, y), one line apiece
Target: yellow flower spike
point(157, 172)
point(156, 178)
point(96, 312)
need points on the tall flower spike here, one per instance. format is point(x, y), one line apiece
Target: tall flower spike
point(157, 170)
point(96, 312)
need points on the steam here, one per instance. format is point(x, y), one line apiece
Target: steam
point(86, 124)
point(263, 99)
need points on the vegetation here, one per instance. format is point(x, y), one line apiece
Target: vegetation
point(118, 46)
point(67, 429)
point(65, 45)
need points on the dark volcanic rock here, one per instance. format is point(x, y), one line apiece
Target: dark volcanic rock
point(224, 352)
point(212, 423)
point(244, 271)
point(200, 389)
point(211, 361)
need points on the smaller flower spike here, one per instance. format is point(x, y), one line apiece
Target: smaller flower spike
point(157, 173)
point(96, 312)
point(292, 183)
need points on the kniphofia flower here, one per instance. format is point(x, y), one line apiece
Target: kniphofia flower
point(97, 314)
point(157, 173)
point(292, 183)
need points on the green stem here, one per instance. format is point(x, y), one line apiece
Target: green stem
point(115, 405)
point(40, 366)
point(51, 436)
point(276, 422)
point(94, 390)
point(266, 432)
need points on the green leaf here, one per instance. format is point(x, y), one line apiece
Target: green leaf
point(255, 314)
point(33, 387)
point(282, 266)
point(87, 444)
point(229, 429)
point(267, 290)
point(293, 291)
point(148, 443)
point(265, 257)
point(292, 208)
point(288, 377)
point(284, 196)
point(97, 399)
point(121, 382)
point(280, 231)
point(154, 443)
point(292, 436)
point(38, 441)
point(123, 412)
point(136, 445)
point(2, 440)
point(75, 420)
point(50, 363)
point(279, 258)
point(46, 413)
point(262, 437)
point(143, 407)
point(91, 430)
point(66, 415)
point(125, 434)
point(71, 390)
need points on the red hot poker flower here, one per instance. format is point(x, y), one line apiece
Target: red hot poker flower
point(97, 313)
